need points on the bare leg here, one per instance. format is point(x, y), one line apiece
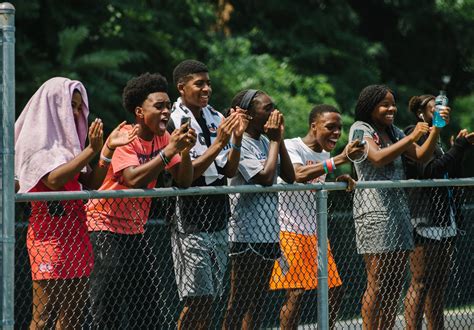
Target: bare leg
point(59, 304)
point(250, 275)
point(45, 304)
point(74, 296)
point(441, 261)
point(416, 294)
point(290, 311)
point(196, 313)
point(335, 296)
point(384, 283)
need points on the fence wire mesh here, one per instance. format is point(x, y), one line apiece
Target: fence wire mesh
point(142, 267)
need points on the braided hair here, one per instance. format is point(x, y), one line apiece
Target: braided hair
point(369, 97)
point(418, 104)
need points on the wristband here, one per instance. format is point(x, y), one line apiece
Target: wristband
point(163, 157)
point(329, 166)
point(333, 164)
point(107, 145)
point(234, 146)
point(325, 167)
point(105, 159)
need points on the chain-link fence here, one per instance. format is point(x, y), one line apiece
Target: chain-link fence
point(95, 260)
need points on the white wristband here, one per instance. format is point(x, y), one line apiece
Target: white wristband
point(105, 159)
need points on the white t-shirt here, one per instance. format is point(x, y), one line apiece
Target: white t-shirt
point(254, 216)
point(298, 208)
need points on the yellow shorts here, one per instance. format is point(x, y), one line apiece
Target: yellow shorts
point(297, 268)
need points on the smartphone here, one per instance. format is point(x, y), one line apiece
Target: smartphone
point(186, 120)
point(359, 135)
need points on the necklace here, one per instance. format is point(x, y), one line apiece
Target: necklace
point(146, 157)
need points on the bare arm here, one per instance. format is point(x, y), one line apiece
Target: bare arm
point(224, 132)
point(287, 172)
point(305, 173)
point(381, 157)
point(117, 138)
point(140, 176)
point(266, 176)
point(233, 158)
point(423, 153)
point(57, 178)
point(183, 173)
point(272, 127)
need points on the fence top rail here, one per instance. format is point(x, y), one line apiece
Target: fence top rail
point(168, 192)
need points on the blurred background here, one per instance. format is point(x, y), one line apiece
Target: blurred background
point(300, 52)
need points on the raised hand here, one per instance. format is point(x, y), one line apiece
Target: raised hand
point(96, 135)
point(120, 137)
point(273, 127)
point(182, 139)
point(225, 129)
point(190, 137)
point(469, 136)
point(243, 121)
point(421, 129)
point(353, 149)
point(444, 113)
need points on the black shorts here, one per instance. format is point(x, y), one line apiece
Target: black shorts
point(421, 240)
point(269, 251)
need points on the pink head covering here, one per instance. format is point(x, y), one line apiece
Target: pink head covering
point(46, 135)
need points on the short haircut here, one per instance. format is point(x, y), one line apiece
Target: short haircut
point(318, 110)
point(186, 68)
point(138, 88)
point(237, 100)
point(369, 97)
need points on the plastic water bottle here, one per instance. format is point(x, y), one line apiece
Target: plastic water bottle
point(441, 101)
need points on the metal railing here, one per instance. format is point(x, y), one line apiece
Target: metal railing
point(7, 186)
point(339, 206)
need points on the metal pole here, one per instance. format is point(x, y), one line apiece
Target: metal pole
point(322, 224)
point(7, 26)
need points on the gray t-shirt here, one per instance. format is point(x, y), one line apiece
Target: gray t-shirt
point(380, 201)
point(254, 216)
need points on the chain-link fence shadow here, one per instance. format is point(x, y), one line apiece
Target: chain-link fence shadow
point(145, 274)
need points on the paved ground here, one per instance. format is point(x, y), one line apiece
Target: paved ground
point(462, 319)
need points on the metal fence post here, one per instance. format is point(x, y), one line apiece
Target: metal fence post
point(7, 94)
point(322, 225)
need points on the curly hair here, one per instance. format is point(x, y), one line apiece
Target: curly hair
point(186, 68)
point(138, 88)
point(369, 97)
point(418, 103)
point(318, 110)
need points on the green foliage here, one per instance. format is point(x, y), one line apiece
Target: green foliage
point(301, 53)
point(235, 68)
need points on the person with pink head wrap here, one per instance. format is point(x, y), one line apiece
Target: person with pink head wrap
point(51, 155)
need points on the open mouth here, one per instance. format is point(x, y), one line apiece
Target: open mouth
point(162, 124)
point(331, 143)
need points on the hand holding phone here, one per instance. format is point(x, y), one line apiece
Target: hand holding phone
point(186, 120)
point(359, 135)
